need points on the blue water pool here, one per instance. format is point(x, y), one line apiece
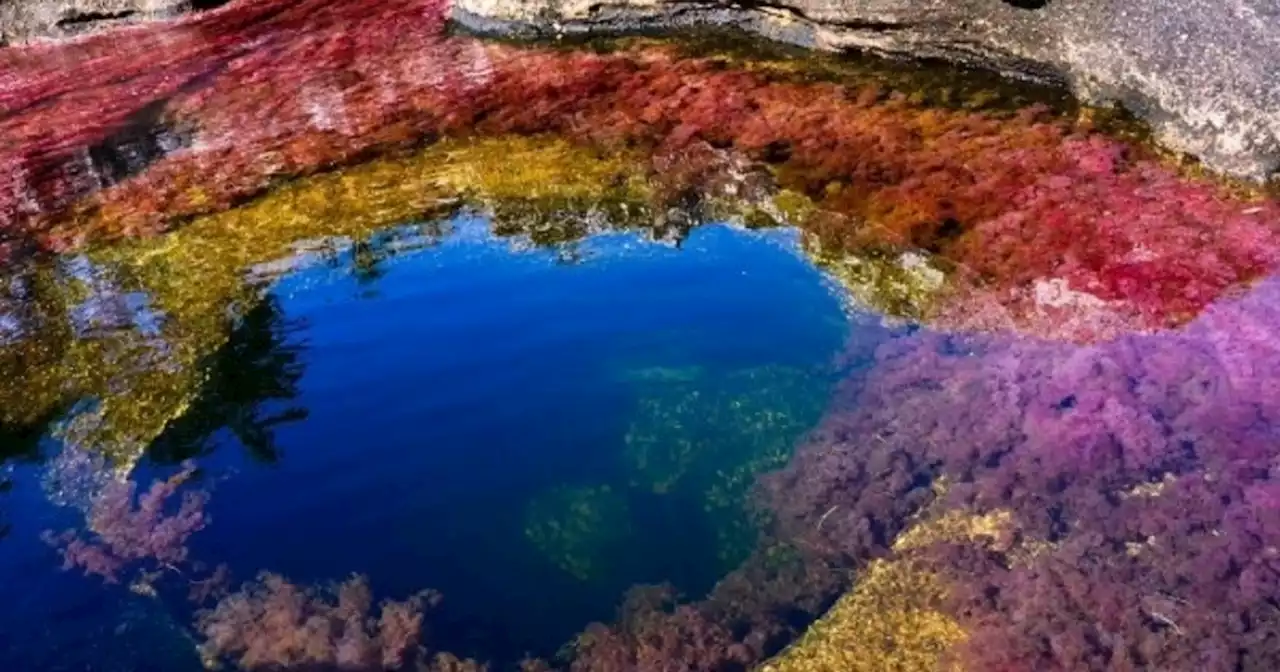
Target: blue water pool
point(529, 431)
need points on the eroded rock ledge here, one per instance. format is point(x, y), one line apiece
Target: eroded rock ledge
point(1204, 73)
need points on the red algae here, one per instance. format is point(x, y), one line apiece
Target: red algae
point(749, 616)
point(269, 623)
point(273, 624)
point(58, 100)
point(1045, 226)
point(124, 532)
point(1125, 236)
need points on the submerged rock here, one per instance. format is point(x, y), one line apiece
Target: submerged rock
point(1199, 71)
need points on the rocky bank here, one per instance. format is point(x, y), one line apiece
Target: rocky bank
point(1204, 73)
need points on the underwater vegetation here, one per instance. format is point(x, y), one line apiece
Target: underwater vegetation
point(125, 529)
point(887, 622)
point(655, 632)
point(681, 429)
point(273, 623)
point(893, 618)
point(579, 529)
point(713, 435)
point(751, 614)
point(1137, 476)
point(191, 318)
point(268, 623)
point(1106, 390)
point(696, 442)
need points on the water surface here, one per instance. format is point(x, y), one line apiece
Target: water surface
point(529, 431)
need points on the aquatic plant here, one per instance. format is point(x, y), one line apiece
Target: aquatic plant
point(1115, 234)
point(895, 616)
point(1032, 216)
point(885, 623)
point(774, 595)
point(64, 101)
point(753, 612)
point(272, 624)
point(1175, 576)
point(1040, 226)
point(656, 634)
point(579, 529)
point(713, 435)
point(126, 529)
point(690, 430)
point(122, 374)
point(266, 624)
point(1136, 476)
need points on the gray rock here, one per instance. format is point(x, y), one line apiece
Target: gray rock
point(27, 20)
point(1204, 73)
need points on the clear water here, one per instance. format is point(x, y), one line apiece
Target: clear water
point(529, 431)
point(1072, 462)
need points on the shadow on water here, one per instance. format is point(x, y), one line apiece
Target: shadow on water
point(258, 369)
point(17, 444)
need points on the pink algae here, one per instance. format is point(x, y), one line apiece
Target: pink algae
point(1043, 226)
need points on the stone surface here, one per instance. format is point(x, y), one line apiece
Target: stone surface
point(1204, 73)
point(27, 20)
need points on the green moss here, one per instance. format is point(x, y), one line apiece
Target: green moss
point(709, 438)
point(579, 529)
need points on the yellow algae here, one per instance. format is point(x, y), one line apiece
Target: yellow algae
point(189, 284)
point(793, 206)
point(898, 284)
point(905, 285)
point(889, 622)
point(538, 168)
point(892, 619)
point(954, 526)
point(1150, 489)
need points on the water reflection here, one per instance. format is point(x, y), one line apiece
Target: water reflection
point(131, 328)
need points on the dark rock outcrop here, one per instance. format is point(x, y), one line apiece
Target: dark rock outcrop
point(1204, 73)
